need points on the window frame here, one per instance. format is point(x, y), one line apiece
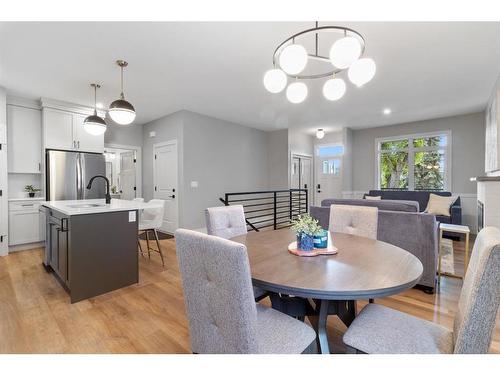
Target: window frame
point(340, 157)
point(411, 156)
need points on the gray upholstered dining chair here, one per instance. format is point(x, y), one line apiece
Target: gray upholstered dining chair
point(227, 222)
point(379, 329)
point(223, 316)
point(357, 220)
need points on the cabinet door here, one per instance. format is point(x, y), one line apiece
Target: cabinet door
point(58, 130)
point(24, 227)
point(86, 142)
point(24, 132)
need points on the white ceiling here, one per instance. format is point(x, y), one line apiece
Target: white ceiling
point(424, 70)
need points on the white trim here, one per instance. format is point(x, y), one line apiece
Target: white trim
point(138, 164)
point(70, 107)
point(448, 186)
point(19, 101)
point(27, 246)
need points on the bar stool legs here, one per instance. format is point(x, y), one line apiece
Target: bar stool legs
point(158, 250)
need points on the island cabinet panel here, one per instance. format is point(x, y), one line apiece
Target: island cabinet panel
point(57, 244)
point(102, 253)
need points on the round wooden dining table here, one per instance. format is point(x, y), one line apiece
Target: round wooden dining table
point(363, 268)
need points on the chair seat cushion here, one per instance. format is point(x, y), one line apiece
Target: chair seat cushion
point(278, 333)
point(381, 330)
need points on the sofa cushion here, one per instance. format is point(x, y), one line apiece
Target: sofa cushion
point(384, 204)
point(439, 205)
point(372, 198)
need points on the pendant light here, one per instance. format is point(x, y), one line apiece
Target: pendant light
point(94, 124)
point(121, 111)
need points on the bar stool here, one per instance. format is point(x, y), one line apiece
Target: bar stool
point(151, 219)
point(140, 200)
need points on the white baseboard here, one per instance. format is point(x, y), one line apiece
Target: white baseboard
point(26, 246)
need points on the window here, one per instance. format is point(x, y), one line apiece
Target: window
point(329, 151)
point(331, 166)
point(416, 162)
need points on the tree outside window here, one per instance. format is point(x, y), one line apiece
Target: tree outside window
point(413, 163)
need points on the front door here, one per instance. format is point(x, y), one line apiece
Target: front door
point(328, 182)
point(165, 182)
point(127, 175)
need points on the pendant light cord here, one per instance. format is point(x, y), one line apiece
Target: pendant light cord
point(121, 95)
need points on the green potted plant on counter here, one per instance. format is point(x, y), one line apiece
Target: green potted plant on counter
point(305, 228)
point(31, 190)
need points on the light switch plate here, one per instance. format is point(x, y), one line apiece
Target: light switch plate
point(194, 184)
point(132, 217)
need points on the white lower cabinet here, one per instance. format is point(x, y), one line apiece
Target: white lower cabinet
point(25, 223)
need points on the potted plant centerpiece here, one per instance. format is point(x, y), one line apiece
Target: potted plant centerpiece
point(31, 190)
point(306, 227)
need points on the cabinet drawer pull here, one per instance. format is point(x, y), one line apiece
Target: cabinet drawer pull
point(28, 205)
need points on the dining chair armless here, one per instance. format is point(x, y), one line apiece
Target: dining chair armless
point(357, 220)
point(381, 330)
point(228, 222)
point(223, 316)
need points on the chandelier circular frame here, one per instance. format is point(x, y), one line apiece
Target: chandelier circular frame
point(317, 30)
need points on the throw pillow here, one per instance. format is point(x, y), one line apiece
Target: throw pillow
point(439, 205)
point(373, 198)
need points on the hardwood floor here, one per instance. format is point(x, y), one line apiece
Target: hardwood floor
point(36, 316)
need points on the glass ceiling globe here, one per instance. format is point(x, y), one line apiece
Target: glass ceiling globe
point(334, 89)
point(362, 71)
point(122, 112)
point(344, 52)
point(293, 59)
point(275, 80)
point(296, 92)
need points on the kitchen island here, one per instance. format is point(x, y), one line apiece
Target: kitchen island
point(91, 246)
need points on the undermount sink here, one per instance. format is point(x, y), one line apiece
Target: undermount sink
point(86, 205)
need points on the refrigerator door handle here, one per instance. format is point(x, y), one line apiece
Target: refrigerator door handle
point(79, 181)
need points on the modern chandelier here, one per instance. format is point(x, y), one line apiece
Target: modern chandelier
point(290, 59)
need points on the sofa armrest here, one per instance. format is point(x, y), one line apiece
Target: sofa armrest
point(456, 215)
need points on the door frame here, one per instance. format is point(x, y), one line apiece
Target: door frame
point(178, 191)
point(317, 160)
point(138, 164)
point(311, 159)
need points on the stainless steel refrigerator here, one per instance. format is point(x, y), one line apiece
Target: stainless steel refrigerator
point(68, 173)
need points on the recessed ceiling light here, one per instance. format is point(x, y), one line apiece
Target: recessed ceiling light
point(387, 111)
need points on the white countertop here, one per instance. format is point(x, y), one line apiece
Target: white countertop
point(116, 205)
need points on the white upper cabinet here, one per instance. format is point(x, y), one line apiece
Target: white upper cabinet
point(86, 142)
point(64, 131)
point(58, 130)
point(24, 137)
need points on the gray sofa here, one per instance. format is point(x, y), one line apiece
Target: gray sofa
point(422, 197)
point(402, 226)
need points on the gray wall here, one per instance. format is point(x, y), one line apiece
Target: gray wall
point(222, 157)
point(468, 132)
point(277, 150)
point(130, 135)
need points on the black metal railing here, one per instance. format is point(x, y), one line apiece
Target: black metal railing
point(270, 208)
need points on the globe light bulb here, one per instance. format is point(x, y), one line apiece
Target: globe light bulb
point(362, 71)
point(296, 92)
point(320, 133)
point(344, 52)
point(94, 128)
point(275, 80)
point(293, 59)
point(334, 89)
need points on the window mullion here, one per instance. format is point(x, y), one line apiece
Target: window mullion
point(411, 167)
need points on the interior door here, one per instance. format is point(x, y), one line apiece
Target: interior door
point(165, 182)
point(127, 175)
point(328, 182)
point(302, 178)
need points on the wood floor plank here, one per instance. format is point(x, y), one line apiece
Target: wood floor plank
point(36, 315)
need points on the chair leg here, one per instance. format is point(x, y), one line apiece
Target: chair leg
point(371, 300)
point(147, 243)
point(159, 248)
point(140, 247)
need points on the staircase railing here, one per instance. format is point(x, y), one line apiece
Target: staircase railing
point(270, 208)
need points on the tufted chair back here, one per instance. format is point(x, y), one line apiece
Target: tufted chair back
point(357, 220)
point(226, 221)
point(480, 296)
point(218, 293)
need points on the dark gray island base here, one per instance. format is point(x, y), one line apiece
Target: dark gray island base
point(93, 253)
